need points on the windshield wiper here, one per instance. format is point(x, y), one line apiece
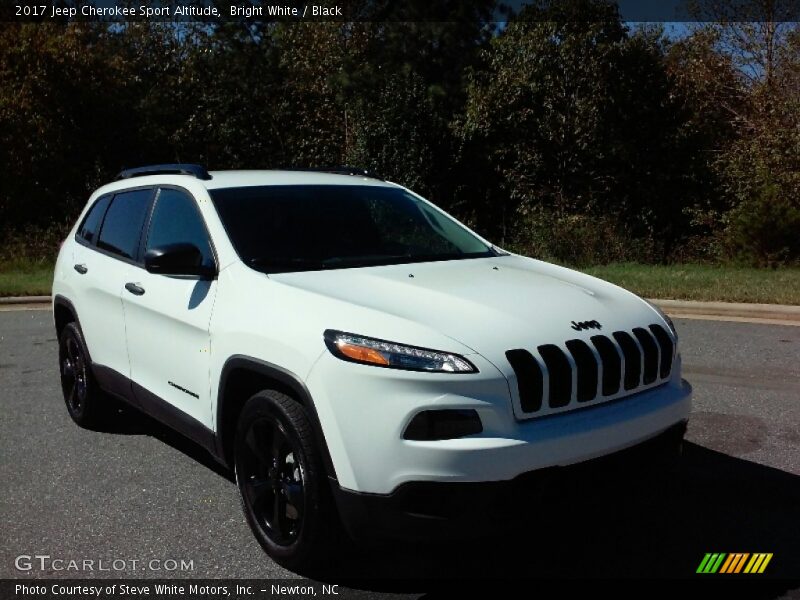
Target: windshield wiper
point(272, 264)
point(389, 259)
point(367, 259)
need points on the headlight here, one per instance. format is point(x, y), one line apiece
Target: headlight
point(380, 353)
point(665, 317)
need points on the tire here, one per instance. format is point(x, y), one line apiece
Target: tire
point(282, 483)
point(86, 403)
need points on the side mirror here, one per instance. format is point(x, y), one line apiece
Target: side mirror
point(178, 259)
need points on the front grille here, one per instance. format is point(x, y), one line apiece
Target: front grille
point(667, 349)
point(560, 375)
point(529, 379)
point(649, 353)
point(613, 365)
point(586, 365)
point(632, 357)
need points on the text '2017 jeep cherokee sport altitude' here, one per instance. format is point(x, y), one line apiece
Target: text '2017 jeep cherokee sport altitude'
point(348, 348)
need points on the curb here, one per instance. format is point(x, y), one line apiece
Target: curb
point(26, 300)
point(782, 312)
point(679, 308)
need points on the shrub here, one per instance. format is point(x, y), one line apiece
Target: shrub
point(576, 239)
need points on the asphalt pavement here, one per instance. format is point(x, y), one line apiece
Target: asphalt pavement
point(138, 493)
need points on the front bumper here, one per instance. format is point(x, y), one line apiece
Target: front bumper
point(364, 411)
point(439, 510)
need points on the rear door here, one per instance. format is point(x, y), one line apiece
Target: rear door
point(168, 322)
point(105, 254)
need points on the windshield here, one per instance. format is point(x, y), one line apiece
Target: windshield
point(279, 229)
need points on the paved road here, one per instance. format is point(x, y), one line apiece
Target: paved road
point(140, 493)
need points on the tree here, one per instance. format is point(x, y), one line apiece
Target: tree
point(757, 165)
point(58, 95)
point(576, 116)
point(762, 170)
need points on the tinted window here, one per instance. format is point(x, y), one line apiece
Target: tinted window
point(296, 228)
point(122, 227)
point(176, 219)
point(91, 224)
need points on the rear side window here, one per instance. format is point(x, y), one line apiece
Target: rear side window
point(122, 227)
point(91, 223)
point(176, 219)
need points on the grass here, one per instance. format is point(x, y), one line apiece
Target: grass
point(685, 282)
point(25, 278)
point(705, 282)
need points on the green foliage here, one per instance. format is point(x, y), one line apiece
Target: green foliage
point(396, 131)
point(562, 133)
point(577, 115)
point(576, 239)
point(726, 283)
point(23, 277)
point(55, 141)
point(764, 225)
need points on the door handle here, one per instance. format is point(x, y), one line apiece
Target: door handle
point(134, 289)
point(81, 269)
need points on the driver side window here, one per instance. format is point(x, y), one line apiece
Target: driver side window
point(176, 219)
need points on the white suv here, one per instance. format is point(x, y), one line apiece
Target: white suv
point(355, 354)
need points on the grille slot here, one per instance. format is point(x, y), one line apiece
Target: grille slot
point(620, 363)
point(633, 359)
point(650, 350)
point(612, 365)
point(560, 375)
point(586, 364)
point(667, 349)
point(529, 379)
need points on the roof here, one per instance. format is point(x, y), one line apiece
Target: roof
point(229, 179)
point(232, 179)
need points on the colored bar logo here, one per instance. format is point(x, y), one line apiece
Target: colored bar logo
point(735, 562)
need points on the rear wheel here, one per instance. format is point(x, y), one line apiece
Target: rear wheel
point(281, 481)
point(84, 400)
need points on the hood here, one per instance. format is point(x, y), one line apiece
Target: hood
point(489, 305)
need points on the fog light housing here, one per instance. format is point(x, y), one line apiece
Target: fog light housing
point(443, 425)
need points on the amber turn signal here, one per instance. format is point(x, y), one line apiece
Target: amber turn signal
point(361, 354)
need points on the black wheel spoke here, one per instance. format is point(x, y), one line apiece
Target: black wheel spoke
point(68, 370)
point(260, 489)
point(294, 494)
point(73, 395)
point(279, 514)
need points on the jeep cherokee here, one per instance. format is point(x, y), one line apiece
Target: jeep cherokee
point(354, 354)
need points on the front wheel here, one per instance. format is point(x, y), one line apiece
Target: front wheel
point(281, 481)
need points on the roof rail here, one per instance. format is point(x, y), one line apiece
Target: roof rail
point(342, 170)
point(198, 171)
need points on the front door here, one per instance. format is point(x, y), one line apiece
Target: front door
point(167, 320)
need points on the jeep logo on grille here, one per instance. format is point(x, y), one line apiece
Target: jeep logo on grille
point(586, 325)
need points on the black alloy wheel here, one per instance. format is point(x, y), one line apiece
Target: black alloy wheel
point(86, 404)
point(283, 486)
point(73, 376)
point(272, 481)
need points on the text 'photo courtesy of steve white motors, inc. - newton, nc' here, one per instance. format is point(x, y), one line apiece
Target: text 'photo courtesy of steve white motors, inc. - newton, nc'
point(179, 11)
point(209, 589)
